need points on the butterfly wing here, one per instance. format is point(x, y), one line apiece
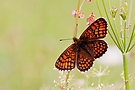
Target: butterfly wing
point(96, 30)
point(84, 59)
point(99, 47)
point(66, 60)
point(89, 51)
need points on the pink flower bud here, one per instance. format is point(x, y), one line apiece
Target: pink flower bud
point(88, 0)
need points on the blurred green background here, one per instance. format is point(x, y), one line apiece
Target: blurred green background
point(29, 41)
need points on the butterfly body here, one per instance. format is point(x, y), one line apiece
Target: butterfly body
point(86, 49)
point(81, 44)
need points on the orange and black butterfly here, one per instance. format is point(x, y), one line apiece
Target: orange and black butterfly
point(86, 49)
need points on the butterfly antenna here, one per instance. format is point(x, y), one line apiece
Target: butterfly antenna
point(65, 39)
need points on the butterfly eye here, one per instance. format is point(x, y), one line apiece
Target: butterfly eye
point(75, 39)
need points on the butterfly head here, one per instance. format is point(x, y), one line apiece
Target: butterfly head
point(75, 39)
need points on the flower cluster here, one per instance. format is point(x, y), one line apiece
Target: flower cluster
point(123, 12)
point(74, 12)
point(90, 20)
point(113, 12)
point(81, 14)
point(97, 73)
point(64, 82)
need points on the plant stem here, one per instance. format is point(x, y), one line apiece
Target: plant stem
point(131, 47)
point(121, 21)
point(98, 8)
point(122, 87)
point(124, 37)
point(76, 19)
point(81, 5)
point(117, 32)
point(125, 66)
point(67, 76)
point(131, 38)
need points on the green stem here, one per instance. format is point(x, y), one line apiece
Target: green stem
point(112, 38)
point(121, 22)
point(122, 86)
point(131, 47)
point(125, 66)
point(99, 8)
point(131, 38)
point(124, 37)
point(119, 39)
point(109, 5)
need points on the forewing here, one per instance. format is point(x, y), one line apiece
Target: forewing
point(99, 47)
point(66, 60)
point(98, 29)
point(84, 60)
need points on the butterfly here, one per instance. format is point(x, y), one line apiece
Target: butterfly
point(86, 49)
